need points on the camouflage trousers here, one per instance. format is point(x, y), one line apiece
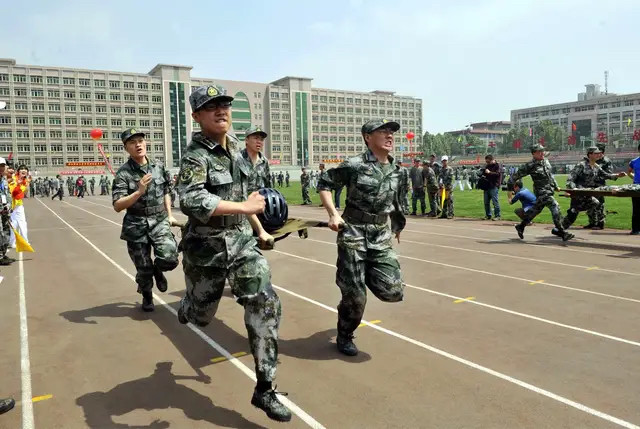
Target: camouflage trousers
point(166, 259)
point(305, 195)
point(447, 207)
point(365, 260)
point(250, 279)
point(589, 204)
point(597, 216)
point(434, 201)
point(543, 201)
point(417, 195)
point(5, 234)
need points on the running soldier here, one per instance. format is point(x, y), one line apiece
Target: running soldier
point(586, 174)
point(376, 186)
point(218, 243)
point(597, 218)
point(142, 188)
point(256, 165)
point(544, 186)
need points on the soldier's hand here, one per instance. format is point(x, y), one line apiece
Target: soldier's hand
point(336, 223)
point(144, 182)
point(622, 174)
point(254, 204)
point(265, 241)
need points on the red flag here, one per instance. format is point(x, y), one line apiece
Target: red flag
point(573, 126)
point(10, 156)
point(530, 131)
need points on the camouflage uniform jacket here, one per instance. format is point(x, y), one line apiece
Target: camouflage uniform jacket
point(371, 188)
point(416, 177)
point(5, 196)
point(429, 178)
point(259, 175)
point(210, 174)
point(305, 180)
point(544, 184)
point(583, 175)
point(436, 169)
point(136, 228)
point(446, 177)
point(606, 164)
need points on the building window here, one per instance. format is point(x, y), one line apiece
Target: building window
point(99, 83)
point(37, 93)
point(19, 78)
point(69, 94)
point(54, 107)
point(143, 85)
point(85, 95)
point(143, 98)
point(156, 87)
point(84, 82)
point(156, 99)
point(129, 85)
point(69, 107)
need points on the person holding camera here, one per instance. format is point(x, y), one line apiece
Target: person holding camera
point(490, 183)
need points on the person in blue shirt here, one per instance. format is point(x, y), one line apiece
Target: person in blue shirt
point(525, 196)
point(634, 171)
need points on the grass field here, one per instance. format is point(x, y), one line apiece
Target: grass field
point(470, 204)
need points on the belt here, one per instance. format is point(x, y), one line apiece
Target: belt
point(225, 221)
point(364, 217)
point(146, 211)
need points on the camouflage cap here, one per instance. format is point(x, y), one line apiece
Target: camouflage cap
point(201, 95)
point(375, 124)
point(256, 129)
point(593, 149)
point(127, 134)
point(601, 146)
point(537, 147)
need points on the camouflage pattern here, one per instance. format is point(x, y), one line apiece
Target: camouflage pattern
point(375, 124)
point(305, 182)
point(256, 129)
point(598, 216)
point(5, 216)
point(544, 186)
point(366, 258)
point(128, 133)
point(431, 182)
point(417, 189)
point(584, 175)
point(204, 94)
point(210, 174)
point(92, 184)
point(259, 174)
point(446, 181)
point(145, 232)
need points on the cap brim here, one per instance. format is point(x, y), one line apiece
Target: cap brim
point(133, 135)
point(220, 98)
point(262, 133)
point(392, 125)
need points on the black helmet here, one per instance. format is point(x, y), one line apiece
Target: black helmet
point(275, 212)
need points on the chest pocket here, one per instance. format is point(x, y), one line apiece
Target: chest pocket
point(220, 182)
point(158, 186)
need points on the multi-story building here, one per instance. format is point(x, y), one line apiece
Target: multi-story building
point(51, 111)
point(595, 111)
point(488, 132)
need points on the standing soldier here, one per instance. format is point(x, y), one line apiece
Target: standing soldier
point(434, 165)
point(376, 186)
point(5, 215)
point(103, 185)
point(280, 179)
point(70, 185)
point(544, 186)
point(218, 243)
point(286, 178)
point(305, 182)
point(586, 174)
point(256, 165)
point(446, 186)
point(597, 217)
point(92, 184)
point(142, 188)
point(59, 188)
point(431, 183)
point(417, 187)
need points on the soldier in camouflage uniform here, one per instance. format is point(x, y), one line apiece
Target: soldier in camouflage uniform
point(446, 185)
point(544, 186)
point(92, 184)
point(586, 174)
point(142, 188)
point(218, 243)
point(5, 215)
point(430, 181)
point(254, 161)
point(417, 187)
point(597, 217)
point(305, 182)
point(376, 188)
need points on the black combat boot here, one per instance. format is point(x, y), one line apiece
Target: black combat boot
point(566, 236)
point(161, 280)
point(557, 233)
point(6, 405)
point(345, 345)
point(147, 301)
point(181, 317)
point(268, 402)
point(520, 229)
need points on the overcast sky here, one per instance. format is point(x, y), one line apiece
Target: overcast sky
point(469, 61)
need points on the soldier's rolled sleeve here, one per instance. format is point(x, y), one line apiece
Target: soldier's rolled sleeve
point(195, 200)
point(573, 175)
point(335, 178)
point(120, 188)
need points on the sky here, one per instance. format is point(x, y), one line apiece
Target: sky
point(469, 61)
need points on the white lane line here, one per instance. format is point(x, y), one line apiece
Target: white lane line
point(493, 307)
point(25, 362)
point(479, 367)
point(443, 353)
point(310, 421)
point(492, 230)
point(528, 281)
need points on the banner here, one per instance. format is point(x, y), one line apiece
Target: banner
point(274, 162)
point(85, 164)
point(80, 172)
